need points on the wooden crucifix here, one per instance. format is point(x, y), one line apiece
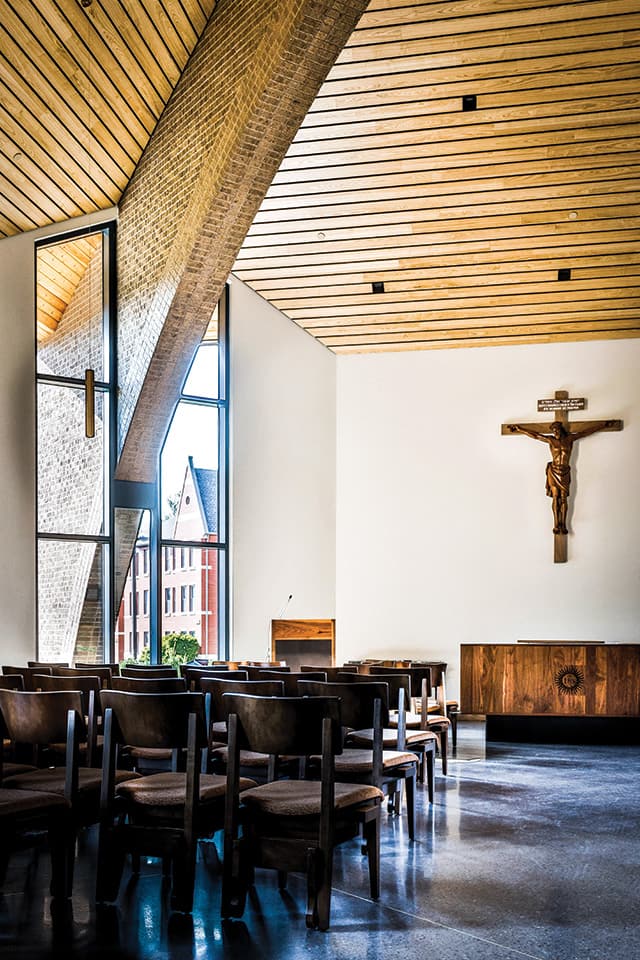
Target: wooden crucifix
point(560, 436)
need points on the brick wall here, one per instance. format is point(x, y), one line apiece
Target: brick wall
point(216, 148)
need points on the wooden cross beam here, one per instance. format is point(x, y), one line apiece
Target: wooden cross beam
point(560, 435)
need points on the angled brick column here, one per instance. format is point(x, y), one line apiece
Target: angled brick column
point(195, 192)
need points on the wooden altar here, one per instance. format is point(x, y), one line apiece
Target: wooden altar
point(550, 679)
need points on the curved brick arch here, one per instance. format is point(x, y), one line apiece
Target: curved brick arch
point(211, 159)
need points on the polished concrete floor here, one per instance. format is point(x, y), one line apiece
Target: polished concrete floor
point(529, 852)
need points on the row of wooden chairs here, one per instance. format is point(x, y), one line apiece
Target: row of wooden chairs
point(348, 698)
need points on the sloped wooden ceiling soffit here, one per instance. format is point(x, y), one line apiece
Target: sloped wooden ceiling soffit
point(464, 215)
point(81, 90)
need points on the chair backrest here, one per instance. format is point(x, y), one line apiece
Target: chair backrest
point(149, 684)
point(41, 718)
point(290, 680)
point(395, 681)
point(45, 663)
point(357, 700)
point(202, 665)
point(114, 667)
point(256, 673)
point(193, 675)
point(13, 681)
point(151, 671)
point(86, 685)
point(284, 725)
point(103, 673)
point(217, 689)
point(331, 672)
point(417, 674)
point(27, 674)
point(153, 720)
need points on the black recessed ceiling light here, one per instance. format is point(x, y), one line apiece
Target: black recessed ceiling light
point(564, 273)
point(469, 102)
point(377, 286)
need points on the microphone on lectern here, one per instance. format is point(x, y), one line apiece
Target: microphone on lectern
point(279, 617)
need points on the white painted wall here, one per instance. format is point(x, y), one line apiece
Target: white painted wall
point(17, 439)
point(283, 415)
point(443, 526)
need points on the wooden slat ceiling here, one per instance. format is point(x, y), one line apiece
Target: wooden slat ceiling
point(465, 216)
point(60, 269)
point(81, 89)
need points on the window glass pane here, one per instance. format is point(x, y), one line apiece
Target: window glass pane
point(70, 466)
point(189, 471)
point(71, 601)
point(69, 307)
point(132, 584)
point(203, 377)
point(195, 615)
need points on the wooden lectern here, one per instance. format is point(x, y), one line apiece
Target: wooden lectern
point(304, 641)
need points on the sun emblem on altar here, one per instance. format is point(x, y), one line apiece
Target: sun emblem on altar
point(569, 680)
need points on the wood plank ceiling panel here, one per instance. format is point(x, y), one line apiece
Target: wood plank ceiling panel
point(465, 216)
point(82, 85)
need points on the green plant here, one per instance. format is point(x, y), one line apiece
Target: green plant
point(177, 648)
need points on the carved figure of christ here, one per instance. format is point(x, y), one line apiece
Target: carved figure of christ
point(560, 437)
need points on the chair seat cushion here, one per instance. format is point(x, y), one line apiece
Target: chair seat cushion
point(361, 761)
point(248, 758)
point(13, 769)
point(219, 730)
point(149, 753)
point(52, 780)
point(168, 789)
point(17, 802)
point(301, 798)
point(364, 738)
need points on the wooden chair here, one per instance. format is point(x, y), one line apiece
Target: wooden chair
point(27, 674)
point(255, 673)
point(8, 766)
point(290, 680)
point(104, 673)
point(166, 813)
point(331, 672)
point(39, 719)
point(193, 675)
point(45, 663)
point(365, 708)
point(437, 701)
point(89, 688)
point(149, 684)
point(430, 716)
point(142, 672)
point(258, 765)
point(397, 736)
point(148, 760)
point(114, 667)
point(292, 824)
point(24, 815)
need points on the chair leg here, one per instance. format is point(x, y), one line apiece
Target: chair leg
point(443, 740)
point(313, 884)
point(234, 879)
point(453, 716)
point(111, 857)
point(410, 786)
point(324, 890)
point(431, 771)
point(184, 878)
point(371, 830)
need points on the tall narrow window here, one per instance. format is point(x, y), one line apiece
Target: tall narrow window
point(75, 330)
point(193, 491)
